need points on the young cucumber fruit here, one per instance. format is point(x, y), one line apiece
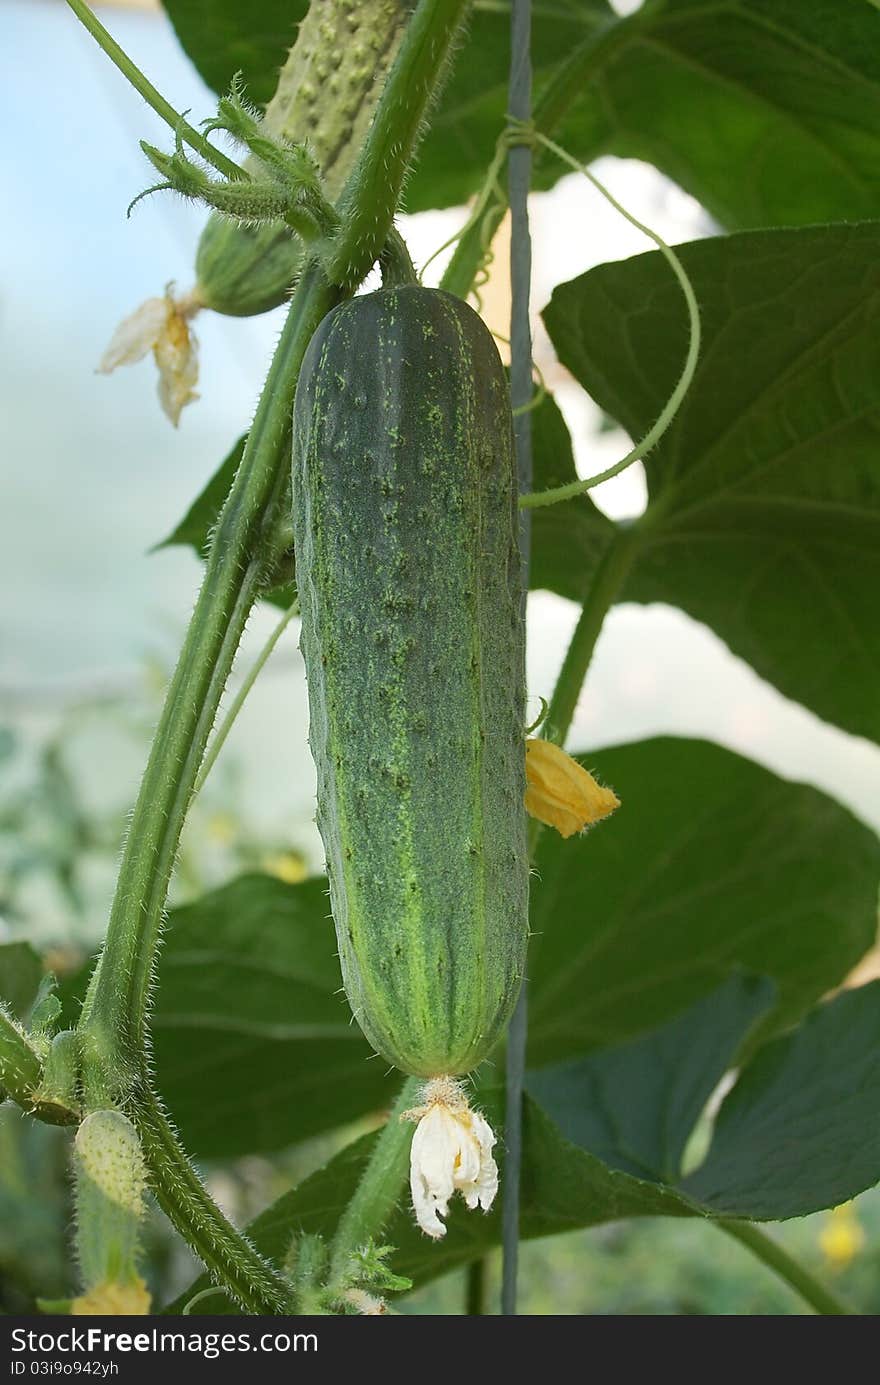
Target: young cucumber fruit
point(327, 93)
point(405, 529)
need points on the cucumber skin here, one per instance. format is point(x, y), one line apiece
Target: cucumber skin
point(405, 532)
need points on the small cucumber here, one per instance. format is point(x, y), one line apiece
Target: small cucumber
point(405, 529)
point(327, 92)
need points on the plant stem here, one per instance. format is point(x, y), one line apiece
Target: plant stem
point(604, 586)
point(379, 1189)
point(476, 1288)
point(238, 701)
point(819, 1298)
point(396, 263)
point(224, 1251)
point(565, 87)
point(194, 138)
point(114, 1015)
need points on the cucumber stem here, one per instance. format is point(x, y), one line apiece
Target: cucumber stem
point(771, 1253)
point(240, 698)
point(378, 1192)
point(605, 583)
point(194, 138)
point(230, 1258)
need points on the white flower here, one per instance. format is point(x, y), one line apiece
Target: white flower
point(451, 1153)
point(161, 325)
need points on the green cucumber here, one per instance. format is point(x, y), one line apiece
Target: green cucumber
point(326, 95)
point(405, 533)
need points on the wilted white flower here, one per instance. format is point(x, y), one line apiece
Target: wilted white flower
point(451, 1153)
point(161, 325)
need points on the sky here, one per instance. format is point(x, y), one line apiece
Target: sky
point(92, 475)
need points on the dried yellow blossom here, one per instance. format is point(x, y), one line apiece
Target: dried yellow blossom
point(113, 1300)
point(561, 793)
point(161, 325)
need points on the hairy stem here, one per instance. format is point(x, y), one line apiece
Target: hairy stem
point(241, 696)
point(194, 138)
point(379, 1190)
point(762, 1246)
point(370, 197)
point(225, 1252)
point(114, 1015)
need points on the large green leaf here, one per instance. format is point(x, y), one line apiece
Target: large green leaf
point(764, 513)
point(711, 864)
point(223, 37)
point(798, 1133)
point(801, 1128)
point(472, 110)
point(635, 1105)
point(768, 111)
point(254, 1042)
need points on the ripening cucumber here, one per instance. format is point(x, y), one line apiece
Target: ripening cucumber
point(405, 534)
point(326, 95)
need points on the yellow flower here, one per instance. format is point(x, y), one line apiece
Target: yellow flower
point(113, 1300)
point(160, 325)
point(560, 792)
point(842, 1236)
point(451, 1153)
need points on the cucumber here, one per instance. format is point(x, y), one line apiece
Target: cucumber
point(405, 535)
point(327, 92)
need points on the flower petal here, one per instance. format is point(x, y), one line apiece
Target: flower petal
point(560, 792)
point(451, 1152)
point(135, 335)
